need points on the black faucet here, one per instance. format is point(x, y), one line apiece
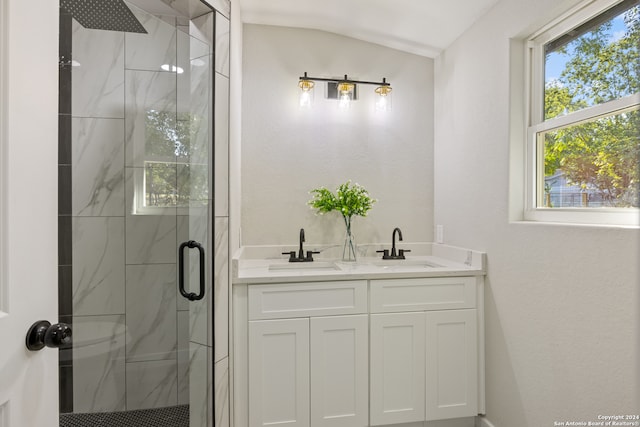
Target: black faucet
point(301, 252)
point(300, 257)
point(394, 255)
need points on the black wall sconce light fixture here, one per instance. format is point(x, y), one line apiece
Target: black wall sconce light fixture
point(344, 90)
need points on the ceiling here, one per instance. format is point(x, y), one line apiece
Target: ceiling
point(422, 27)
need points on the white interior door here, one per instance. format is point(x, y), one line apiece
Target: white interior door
point(28, 208)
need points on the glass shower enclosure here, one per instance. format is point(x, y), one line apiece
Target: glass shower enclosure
point(143, 250)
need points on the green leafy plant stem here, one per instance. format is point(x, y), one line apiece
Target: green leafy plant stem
point(349, 200)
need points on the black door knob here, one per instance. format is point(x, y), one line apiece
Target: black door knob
point(43, 334)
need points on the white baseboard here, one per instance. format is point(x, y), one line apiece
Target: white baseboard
point(454, 422)
point(483, 422)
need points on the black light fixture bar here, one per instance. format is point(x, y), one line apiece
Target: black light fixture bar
point(345, 80)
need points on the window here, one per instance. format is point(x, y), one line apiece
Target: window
point(175, 172)
point(584, 115)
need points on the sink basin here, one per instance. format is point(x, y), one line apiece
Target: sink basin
point(305, 266)
point(404, 264)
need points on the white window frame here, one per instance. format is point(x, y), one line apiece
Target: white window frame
point(534, 112)
point(139, 206)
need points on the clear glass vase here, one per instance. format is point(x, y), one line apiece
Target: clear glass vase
point(349, 248)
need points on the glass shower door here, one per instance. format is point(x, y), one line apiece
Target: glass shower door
point(136, 222)
point(195, 222)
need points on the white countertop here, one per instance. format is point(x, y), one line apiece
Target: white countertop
point(265, 264)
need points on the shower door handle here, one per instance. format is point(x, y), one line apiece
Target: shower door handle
point(190, 295)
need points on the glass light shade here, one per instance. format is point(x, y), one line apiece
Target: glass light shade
point(383, 98)
point(306, 93)
point(345, 94)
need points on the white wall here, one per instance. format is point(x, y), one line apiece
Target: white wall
point(287, 151)
point(562, 302)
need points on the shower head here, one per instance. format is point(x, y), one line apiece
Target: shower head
point(112, 15)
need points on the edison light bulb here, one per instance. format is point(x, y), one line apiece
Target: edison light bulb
point(383, 98)
point(306, 93)
point(345, 94)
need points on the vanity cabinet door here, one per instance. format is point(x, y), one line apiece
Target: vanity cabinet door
point(452, 364)
point(279, 373)
point(397, 374)
point(339, 371)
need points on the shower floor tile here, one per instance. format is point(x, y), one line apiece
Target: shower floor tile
point(174, 416)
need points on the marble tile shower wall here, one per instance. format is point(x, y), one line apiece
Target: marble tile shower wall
point(132, 346)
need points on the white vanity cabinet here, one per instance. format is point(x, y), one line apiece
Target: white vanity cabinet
point(358, 350)
point(451, 364)
point(339, 371)
point(397, 368)
point(308, 354)
point(279, 372)
point(424, 349)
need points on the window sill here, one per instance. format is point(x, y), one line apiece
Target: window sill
point(629, 218)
